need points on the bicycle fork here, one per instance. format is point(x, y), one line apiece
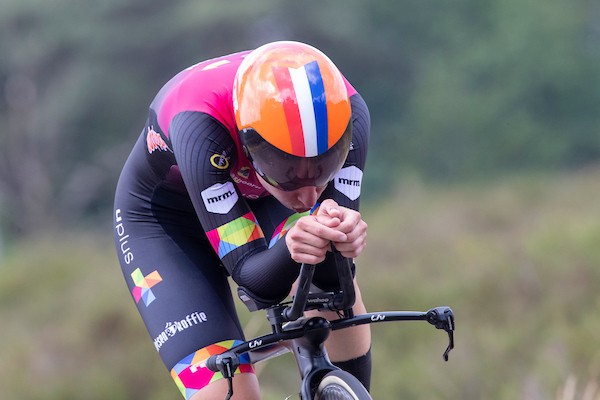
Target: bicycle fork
point(310, 354)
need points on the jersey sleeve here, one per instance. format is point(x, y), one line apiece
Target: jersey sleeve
point(205, 152)
point(345, 188)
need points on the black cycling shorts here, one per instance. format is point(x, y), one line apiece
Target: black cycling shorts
point(177, 281)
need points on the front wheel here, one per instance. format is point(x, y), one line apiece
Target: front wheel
point(340, 385)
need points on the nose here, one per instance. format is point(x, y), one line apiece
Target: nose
point(308, 196)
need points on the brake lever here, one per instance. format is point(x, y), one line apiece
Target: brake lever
point(450, 345)
point(225, 363)
point(443, 318)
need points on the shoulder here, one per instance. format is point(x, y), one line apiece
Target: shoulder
point(204, 87)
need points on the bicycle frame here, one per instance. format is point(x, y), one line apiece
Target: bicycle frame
point(305, 337)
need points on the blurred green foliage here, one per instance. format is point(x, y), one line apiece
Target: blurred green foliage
point(460, 89)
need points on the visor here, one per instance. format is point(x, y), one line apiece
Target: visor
point(288, 172)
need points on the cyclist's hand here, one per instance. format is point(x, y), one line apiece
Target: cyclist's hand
point(308, 240)
point(347, 221)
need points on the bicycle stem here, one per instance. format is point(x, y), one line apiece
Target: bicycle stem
point(343, 301)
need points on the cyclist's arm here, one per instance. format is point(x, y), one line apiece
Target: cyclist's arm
point(225, 216)
point(345, 189)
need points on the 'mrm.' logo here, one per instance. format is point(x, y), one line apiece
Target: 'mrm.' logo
point(348, 182)
point(220, 198)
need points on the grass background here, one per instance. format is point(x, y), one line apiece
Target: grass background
point(518, 260)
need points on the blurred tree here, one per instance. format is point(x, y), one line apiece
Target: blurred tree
point(511, 86)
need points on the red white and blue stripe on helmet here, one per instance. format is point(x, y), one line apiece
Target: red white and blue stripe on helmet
point(305, 108)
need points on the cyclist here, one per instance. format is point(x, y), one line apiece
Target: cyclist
point(248, 165)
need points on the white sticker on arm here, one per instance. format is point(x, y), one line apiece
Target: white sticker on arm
point(220, 197)
point(348, 181)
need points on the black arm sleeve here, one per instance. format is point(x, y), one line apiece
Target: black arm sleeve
point(266, 273)
point(266, 276)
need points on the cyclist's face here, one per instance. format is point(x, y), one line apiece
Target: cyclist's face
point(299, 200)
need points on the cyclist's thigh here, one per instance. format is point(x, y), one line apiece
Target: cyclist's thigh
point(180, 288)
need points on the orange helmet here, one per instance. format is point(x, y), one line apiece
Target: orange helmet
point(293, 114)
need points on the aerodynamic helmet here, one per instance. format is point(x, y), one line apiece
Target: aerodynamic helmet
point(293, 114)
